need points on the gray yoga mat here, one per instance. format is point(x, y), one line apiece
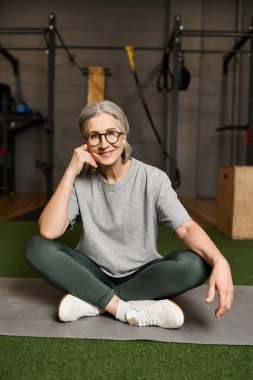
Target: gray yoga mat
point(28, 307)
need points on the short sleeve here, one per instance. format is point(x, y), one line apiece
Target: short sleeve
point(73, 207)
point(170, 211)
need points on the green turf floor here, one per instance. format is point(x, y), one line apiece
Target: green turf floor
point(25, 358)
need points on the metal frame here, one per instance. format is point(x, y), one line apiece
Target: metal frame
point(175, 44)
point(4, 137)
point(250, 107)
point(8, 139)
point(249, 127)
point(176, 47)
point(48, 166)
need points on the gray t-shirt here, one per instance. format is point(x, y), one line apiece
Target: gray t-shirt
point(120, 221)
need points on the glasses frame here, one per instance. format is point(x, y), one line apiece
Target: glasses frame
point(103, 134)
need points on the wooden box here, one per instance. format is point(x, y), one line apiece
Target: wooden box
point(235, 201)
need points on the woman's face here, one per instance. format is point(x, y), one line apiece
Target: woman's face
point(105, 153)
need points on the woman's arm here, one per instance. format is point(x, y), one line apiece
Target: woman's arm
point(53, 221)
point(195, 238)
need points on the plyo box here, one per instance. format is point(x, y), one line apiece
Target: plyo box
point(235, 201)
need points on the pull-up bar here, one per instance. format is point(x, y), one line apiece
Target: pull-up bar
point(216, 33)
point(239, 44)
point(22, 30)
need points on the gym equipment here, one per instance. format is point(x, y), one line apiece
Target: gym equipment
point(23, 117)
point(96, 84)
point(166, 73)
point(14, 118)
point(235, 207)
point(130, 54)
point(248, 128)
point(178, 33)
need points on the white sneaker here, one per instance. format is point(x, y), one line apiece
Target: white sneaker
point(72, 308)
point(165, 313)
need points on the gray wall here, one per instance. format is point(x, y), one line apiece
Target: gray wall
point(139, 23)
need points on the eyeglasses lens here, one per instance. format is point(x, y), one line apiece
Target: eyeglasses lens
point(112, 137)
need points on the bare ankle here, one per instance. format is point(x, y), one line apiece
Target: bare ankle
point(111, 307)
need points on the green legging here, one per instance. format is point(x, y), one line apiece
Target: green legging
point(73, 273)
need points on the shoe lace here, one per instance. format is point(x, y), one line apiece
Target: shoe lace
point(146, 316)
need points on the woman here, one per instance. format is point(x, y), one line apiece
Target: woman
point(116, 267)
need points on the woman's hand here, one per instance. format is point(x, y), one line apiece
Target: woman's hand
point(221, 280)
point(54, 218)
point(81, 157)
point(196, 239)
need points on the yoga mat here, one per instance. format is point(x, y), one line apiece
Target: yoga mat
point(28, 307)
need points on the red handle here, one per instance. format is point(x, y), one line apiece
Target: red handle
point(3, 150)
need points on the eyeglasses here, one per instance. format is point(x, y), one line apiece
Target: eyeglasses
point(112, 137)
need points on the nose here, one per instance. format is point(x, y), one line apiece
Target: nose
point(103, 142)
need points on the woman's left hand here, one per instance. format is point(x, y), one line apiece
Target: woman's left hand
point(196, 239)
point(221, 280)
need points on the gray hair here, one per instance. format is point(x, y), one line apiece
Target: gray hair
point(95, 109)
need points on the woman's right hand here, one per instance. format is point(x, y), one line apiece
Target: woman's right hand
point(54, 218)
point(80, 157)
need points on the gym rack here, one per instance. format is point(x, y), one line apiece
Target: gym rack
point(175, 42)
point(12, 124)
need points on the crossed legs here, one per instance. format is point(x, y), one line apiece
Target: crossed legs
point(73, 273)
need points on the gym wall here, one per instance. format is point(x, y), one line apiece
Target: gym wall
point(119, 23)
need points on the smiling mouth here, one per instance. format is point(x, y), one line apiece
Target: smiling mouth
point(106, 154)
